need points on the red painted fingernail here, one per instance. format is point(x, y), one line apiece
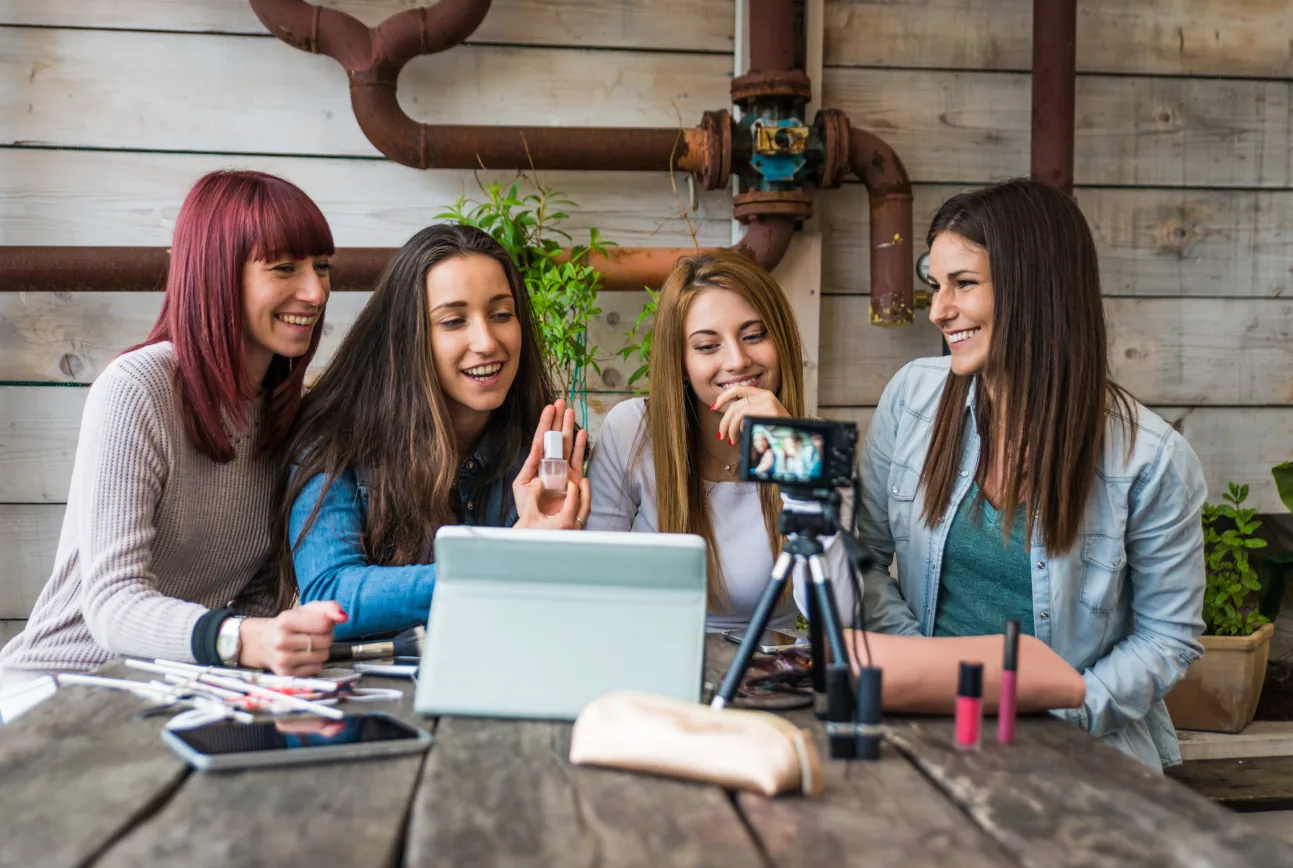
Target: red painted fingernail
point(720, 435)
point(713, 405)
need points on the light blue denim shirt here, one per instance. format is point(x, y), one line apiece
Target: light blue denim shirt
point(331, 564)
point(1123, 606)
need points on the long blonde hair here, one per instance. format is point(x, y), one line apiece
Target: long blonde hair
point(671, 420)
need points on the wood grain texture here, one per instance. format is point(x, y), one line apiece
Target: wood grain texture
point(675, 25)
point(29, 540)
point(348, 813)
point(38, 432)
point(973, 127)
point(1151, 242)
point(1167, 351)
point(127, 199)
point(77, 772)
point(1154, 37)
point(504, 794)
point(1250, 783)
point(1040, 799)
point(103, 89)
point(874, 815)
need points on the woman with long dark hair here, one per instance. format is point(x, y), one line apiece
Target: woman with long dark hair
point(166, 542)
point(1014, 479)
point(726, 346)
point(432, 412)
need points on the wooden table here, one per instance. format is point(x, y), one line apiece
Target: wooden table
point(85, 782)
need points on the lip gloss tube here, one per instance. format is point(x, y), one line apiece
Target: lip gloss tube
point(969, 706)
point(1009, 685)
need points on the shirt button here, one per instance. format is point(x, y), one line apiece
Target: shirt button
point(965, 473)
point(471, 465)
point(1117, 562)
point(471, 505)
point(894, 489)
point(940, 518)
point(1045, 616)
point(1041, 565)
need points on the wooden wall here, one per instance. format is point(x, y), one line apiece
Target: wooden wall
point(109, 111)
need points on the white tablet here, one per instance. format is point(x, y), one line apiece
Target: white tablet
point(538, 623)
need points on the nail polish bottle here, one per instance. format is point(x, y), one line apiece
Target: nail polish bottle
point(969, 706)
point(553, 469)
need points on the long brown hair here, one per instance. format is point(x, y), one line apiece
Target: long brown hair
point(671, 419)
point(379, 408)
point(1047, 361)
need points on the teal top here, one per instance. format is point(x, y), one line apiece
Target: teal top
point(983, 582)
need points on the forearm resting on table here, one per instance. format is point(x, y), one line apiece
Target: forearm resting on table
point(921, 672)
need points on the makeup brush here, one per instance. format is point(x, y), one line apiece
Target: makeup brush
point(406, 644)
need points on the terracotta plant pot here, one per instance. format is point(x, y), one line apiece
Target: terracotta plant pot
point(1220, 690)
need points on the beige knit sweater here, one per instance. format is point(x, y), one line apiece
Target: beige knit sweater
point(154, 535)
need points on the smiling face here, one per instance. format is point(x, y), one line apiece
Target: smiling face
point(727, 345)
point(475, 337)
point(282, 300)
point(962, 301)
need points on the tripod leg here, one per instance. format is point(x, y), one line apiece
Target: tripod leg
point(758, 623)
point(815, 640)
point(840, 702)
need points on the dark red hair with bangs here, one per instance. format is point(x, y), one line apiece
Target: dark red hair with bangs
point(228, 218)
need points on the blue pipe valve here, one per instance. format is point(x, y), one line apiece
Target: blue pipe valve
point(780, 149)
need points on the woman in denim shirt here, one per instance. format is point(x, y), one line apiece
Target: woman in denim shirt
point(1014, 479)
point(423, 419)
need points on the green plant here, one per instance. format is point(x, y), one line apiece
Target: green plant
point(1230, 579)
point(641, 347)
point(1275, 569)
point(561, 284)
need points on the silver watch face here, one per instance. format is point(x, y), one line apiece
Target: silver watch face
point(228, 640)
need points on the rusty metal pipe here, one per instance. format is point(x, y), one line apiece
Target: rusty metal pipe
point(1054, 84)
point(892, 269)
point(354, 269)
point(772, 42)
point(373, 58)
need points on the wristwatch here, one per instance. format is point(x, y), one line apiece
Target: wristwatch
point(229, 640)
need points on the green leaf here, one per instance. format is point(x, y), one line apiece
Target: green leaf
point(1283, 475)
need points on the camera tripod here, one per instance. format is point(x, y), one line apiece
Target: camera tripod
point(852, 717)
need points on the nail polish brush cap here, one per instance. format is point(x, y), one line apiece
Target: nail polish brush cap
point(1011, 661)
point(553, 445)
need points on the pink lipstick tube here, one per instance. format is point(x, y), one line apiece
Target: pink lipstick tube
point(969, 706)
point(1009, 685)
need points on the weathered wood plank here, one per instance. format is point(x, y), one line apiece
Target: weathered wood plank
point(9, 629)
point(1152, 242)
point(77, 772)
point(1247, 784)
point(349, 813)
point(1168, 351)
point(972, 127)
point(125, 199)
point(38, 431)
point(873, 814)
point(504, 794)
point(1154, 37)
point(29, 540)
point(1040, 799)
point(676, 25)
point(120, 90)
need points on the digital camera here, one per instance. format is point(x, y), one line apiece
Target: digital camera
point(803, 456)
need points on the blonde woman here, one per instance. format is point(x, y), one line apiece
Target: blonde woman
point(726, 348)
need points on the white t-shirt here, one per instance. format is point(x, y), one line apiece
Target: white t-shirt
point(624, 500)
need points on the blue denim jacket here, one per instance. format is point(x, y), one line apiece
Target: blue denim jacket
point(331, 563)
point(1124, 606)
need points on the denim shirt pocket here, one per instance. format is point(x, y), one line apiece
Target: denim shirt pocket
point(902, 485)
point(1104, 559)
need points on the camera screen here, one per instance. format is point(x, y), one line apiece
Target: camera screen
point(786, 455)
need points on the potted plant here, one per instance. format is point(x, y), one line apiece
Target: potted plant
point(1220, 690)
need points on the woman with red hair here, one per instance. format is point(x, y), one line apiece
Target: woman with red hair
point(166, 542)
